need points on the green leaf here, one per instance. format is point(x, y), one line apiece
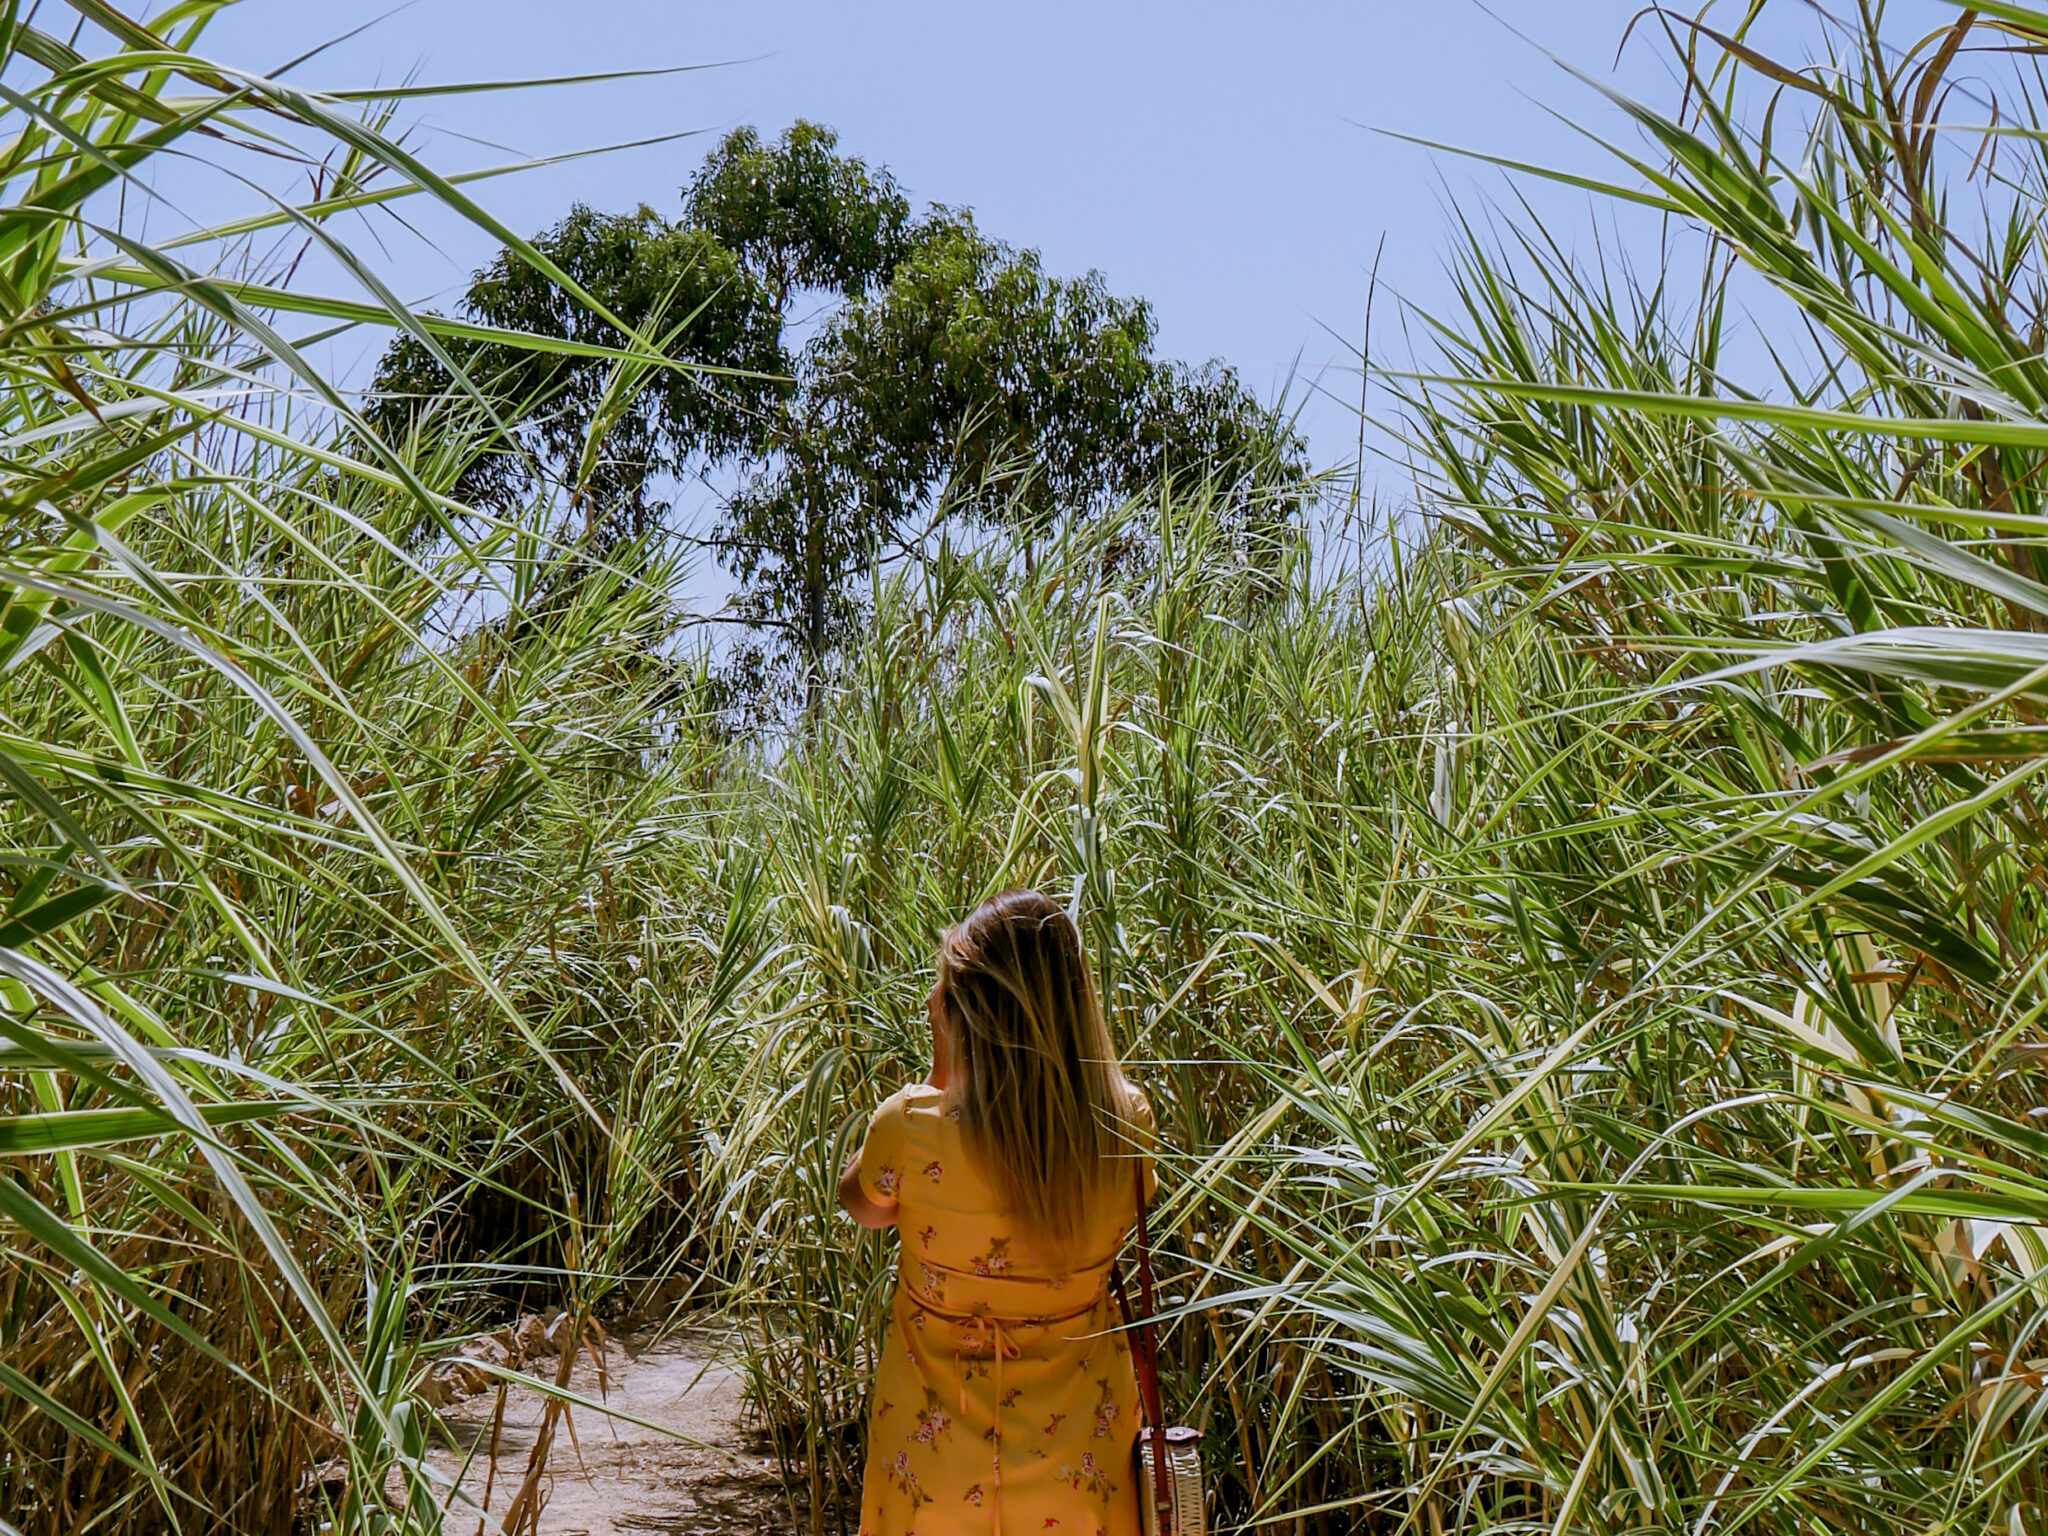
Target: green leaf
point(48, 916)
point(60, 1130)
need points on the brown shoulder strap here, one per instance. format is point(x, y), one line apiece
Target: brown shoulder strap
point(1145, 1355)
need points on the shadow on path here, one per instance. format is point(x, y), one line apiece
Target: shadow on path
point(611, 1477)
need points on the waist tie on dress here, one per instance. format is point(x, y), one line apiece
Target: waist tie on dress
point(992, 1332)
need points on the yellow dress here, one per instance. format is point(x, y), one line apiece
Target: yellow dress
point(1004, 1400)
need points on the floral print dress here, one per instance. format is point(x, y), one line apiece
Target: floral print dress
point(1004, 1400)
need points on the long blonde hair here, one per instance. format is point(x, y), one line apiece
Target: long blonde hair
point(1043, 1102)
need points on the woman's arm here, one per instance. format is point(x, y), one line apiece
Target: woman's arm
point(855, 1200)
point(872, 1214)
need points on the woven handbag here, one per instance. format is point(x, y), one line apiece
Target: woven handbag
point(1169, 1458)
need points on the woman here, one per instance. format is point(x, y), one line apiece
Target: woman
point(1004, 1400)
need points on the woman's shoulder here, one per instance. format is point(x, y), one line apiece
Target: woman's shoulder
point(914, 1102)
point(922, 1100)
point(1137, 1108)
point(1141, 1136)
point(914, 1096)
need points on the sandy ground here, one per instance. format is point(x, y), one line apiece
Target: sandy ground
point(616, 1478)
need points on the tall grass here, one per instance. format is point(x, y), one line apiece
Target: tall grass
point(305, 826)
point(1583, 937)
point(1588, 950)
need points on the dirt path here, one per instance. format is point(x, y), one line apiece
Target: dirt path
point(617, 1478)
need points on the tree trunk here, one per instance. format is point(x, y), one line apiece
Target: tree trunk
point(814, 614)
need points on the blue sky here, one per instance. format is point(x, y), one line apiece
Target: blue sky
point(1217, 159)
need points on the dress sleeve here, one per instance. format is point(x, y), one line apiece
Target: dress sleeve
point(881, 1153)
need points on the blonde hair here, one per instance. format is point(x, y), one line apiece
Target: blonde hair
point(1043, 1102)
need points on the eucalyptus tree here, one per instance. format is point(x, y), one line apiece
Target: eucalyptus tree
point(863, 376)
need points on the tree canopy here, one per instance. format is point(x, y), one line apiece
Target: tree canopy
point(857, 376)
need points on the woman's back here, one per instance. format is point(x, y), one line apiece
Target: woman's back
point(957, 1249)
point(1003, 1388)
